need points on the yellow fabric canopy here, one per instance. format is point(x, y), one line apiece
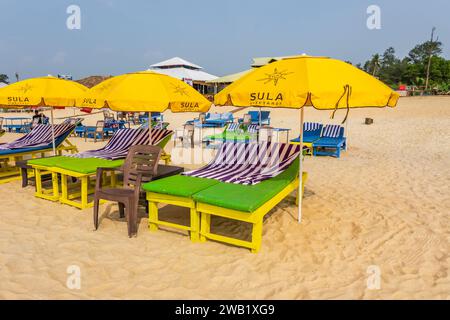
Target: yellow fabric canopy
point(44, 91)
point(144, 91)
point(320, 82)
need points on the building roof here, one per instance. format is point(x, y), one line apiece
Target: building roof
point(183, 73)
point(230, 78)
point(175, 62)
point(181, 69)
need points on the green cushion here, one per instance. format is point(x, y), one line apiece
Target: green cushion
point(80, 165)
point(179, 185)
point(48, 162)
point(247, 198)
point(88, 165)
point(230, 136)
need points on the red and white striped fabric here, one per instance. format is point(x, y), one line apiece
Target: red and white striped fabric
point(248, 163)
point(122, 140)
point(40, 136)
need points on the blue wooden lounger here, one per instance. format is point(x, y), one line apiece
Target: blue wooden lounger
point(311, 132)
point(213, 120)
point(331, 141)
point(254, 117)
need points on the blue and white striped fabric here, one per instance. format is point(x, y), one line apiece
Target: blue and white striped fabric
point(331, 131)
point(311, 126)
point(122, 140)
point(159, 125)
point(253, 128)
point(248, 163)
point(233, 127)
point(40, 136)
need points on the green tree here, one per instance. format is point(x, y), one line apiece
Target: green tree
point(375, 64)
point(4, 78)
point(420, 53)
point(391, 69)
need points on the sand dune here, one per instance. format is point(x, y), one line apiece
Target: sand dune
point(385, 202)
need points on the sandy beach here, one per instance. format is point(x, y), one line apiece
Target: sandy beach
point(384, 203)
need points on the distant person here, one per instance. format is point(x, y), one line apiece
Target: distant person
point(37, 119)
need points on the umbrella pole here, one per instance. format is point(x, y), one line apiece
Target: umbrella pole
point(53, 131)
point(300, 175)
point(149, 114)
point(259, 123)
point(260, 117)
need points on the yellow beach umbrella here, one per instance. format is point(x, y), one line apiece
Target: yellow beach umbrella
point(144, 91)
point(41, 92)
point(295, 82)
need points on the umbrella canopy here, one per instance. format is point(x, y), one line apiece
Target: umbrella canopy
point(41, 92)
point(38, 92)
point(296, 82)
point(144, 91)
point(320, 82)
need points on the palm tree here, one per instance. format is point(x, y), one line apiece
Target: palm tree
point(433, 48)
point(375, 63)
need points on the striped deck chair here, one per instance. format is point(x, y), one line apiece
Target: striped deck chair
point(82, 166)
point(40, 137)
point(243, 182)
point(311, 132)
point(233, 127)
point(331, 141)
point(253, 128)
point(118, 146)
point(36, 143)
point(248, 164)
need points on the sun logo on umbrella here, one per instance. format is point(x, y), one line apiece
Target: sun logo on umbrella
point(275, 76)
point(180, 90)
point(25, 88)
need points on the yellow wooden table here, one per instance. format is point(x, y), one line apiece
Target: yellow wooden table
point(308, 145)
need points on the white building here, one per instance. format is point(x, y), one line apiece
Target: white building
point(185, 71)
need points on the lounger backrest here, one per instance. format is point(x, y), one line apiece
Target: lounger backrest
point(160, 125)
point(254, 115)
point(41, 136)
point(248, 163)
point(253, 128)
point(312, 126)
point(312, 129)
point(333, 131)
point(123, 139)
point(265, 115)
point(232, 127)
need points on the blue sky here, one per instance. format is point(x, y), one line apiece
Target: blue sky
point(119, 36)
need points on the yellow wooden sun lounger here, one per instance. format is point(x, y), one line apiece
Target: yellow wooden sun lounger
point(9, 171)
point(255, 217)
point(210, 197)
point(65, 168)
